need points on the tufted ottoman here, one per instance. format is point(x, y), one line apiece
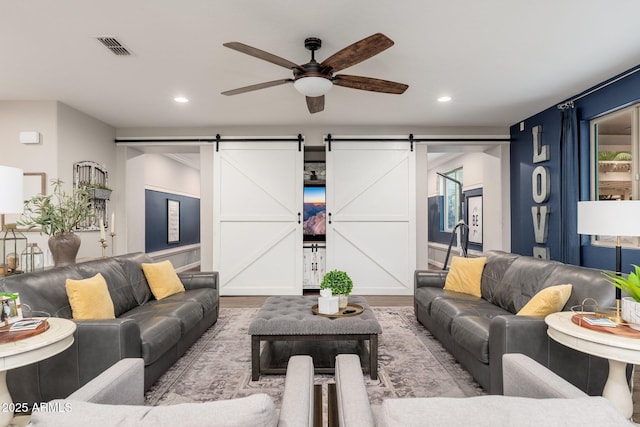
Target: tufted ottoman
point(288, 327)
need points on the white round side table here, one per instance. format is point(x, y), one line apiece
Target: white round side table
point(29, 350)
point(619, 350)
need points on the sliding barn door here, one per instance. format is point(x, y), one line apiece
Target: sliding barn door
point(371, 215)
point(257, 231)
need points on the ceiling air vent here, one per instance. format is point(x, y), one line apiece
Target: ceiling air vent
point(114, 45)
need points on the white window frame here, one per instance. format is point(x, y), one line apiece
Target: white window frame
point(446, 186)
point(610, 241)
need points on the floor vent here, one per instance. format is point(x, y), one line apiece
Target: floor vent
point(114, 45)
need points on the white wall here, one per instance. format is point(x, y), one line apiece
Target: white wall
point(484, 170)
point(66, 136)
point(164, 174)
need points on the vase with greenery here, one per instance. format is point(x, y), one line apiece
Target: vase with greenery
point(58, 216)
point(630, 305)
point(340, 284)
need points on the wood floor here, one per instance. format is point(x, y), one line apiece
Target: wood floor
point(373, 300)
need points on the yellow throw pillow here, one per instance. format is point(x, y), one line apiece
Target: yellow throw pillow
point(163, 279)
point(465, 275)
point(90, 298)
point(548, 300)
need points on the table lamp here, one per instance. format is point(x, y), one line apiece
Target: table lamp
point(611, 218)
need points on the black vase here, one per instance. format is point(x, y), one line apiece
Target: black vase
point(64, 248)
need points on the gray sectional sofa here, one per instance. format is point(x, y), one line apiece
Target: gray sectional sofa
point(116, 398)
point(534, 396)
point(478, 331)
point(159, 332)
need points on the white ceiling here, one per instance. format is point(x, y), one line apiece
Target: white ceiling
point(500, 60)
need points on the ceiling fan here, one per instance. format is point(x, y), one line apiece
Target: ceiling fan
point(314, 79)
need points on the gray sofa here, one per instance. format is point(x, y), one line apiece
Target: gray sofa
point(534, 396)
point(478, 331)
point(159, 332)
point(115, 399)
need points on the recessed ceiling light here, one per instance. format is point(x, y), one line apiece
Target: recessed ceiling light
point(444, 99)
point(180, 99)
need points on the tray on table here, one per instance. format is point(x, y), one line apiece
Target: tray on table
point(341, 313)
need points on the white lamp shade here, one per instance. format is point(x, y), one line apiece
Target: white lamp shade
point(609, 217)
point(11, 192)
point(313, 86)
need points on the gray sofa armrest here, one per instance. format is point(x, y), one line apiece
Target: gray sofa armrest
point(432, 278)
point(102, 343)
point(195, 280)
point(353, 402)
point(524, 377)
point(297, 399)
point(515, 334)
point(121, 384)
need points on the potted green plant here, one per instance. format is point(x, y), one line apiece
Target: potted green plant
point(630, 305)
point(340, 284)
point(58, 216)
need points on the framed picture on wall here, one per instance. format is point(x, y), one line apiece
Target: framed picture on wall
point(475, 219)
point(173, 221)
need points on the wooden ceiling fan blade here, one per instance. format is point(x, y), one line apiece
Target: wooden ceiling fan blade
point(370, 84)
point(315, 104)
point(357, 52)
point(257, 87)
point(260, 54)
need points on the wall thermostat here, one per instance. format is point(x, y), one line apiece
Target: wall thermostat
point(30, 137)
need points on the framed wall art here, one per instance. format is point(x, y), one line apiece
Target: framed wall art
point(474, 204)
point(173, 221)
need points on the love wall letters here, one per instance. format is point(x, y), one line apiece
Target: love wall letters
point(540, 190)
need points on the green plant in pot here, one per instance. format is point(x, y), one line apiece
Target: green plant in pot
point(58, 215)
point(630, 305)
point(340, 284)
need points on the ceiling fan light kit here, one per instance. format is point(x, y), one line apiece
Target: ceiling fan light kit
point(314, 80)
point(313, 86)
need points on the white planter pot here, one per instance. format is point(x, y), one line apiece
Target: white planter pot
point(630, 311)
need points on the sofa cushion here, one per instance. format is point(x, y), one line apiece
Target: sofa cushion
point(548, 300)
point(522, 280)
point(587, 283)
point(119, 288)
point(451, 305)
point(498, 411)
point(206, 297)
point(89, 298)
point(131, 265)
point(498, 262)
point(158, 334)
point(465, 275)
point(187, 313)
point(163, 279)
point(425, 296)
point(472, 334)
point(255, 410)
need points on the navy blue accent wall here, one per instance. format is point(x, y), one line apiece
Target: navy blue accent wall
point(156, 220)
point(436, 219)
point(616, 95)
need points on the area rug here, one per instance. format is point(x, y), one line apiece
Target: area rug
point(218, 366)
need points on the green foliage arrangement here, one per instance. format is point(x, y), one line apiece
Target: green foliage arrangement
point(59, 212)
point(338, 281)
point(629, 284)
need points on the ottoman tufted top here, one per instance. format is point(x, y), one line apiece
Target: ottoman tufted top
point(292, 315)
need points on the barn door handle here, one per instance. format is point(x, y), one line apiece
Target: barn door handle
point(298, 217)
point(329, 217)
